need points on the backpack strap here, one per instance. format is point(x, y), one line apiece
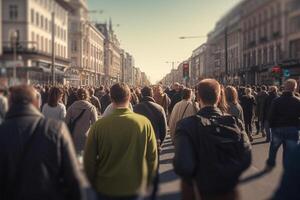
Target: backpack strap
point(27, 146)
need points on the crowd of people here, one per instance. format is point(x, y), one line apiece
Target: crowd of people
point(60, 142)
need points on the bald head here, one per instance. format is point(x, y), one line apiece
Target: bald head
point(290, 85)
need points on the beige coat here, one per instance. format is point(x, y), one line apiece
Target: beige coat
point(180, 111)
point(83, 124)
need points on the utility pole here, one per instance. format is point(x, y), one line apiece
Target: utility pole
point(226, 54)
point(53, 49)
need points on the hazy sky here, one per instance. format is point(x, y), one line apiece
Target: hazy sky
point(149, 29)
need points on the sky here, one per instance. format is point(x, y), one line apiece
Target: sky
point(150, 29)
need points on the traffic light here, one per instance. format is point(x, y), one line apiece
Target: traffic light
point(277, 71)
point(286, 73)
point(186, 70)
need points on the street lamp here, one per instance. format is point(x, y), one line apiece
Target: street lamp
point(191, 37)
point(14, 42)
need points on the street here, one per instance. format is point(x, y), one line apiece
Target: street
point(258, 189)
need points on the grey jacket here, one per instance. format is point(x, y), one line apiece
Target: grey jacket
point(83, 125)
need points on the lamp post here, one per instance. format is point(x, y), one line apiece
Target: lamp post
point(14, 41)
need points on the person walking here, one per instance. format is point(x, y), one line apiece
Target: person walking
point(94, 100)
point(3, 105)
point(81, 115)
point(105, 101)
point(120, 157)
point(273, 94)
point(157, 116)
point(183, 109)
point(162, 98)
point(37, 157)
point(248, 103)
point(234, 108)
point(211, 149)
point(176, 96)
point(284, 123)
point(260, 101)
point(54, 108)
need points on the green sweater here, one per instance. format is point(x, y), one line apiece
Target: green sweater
point(120, 157)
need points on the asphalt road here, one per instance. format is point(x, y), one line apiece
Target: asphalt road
point(260, 188)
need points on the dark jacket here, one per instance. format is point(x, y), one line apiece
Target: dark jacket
point(268, 102)
point(49, 167)
point(248, 103)
point(177, 96)
point(105, 101)
point(260, 101)
point(285, 111)
point(156, 114)
point(186, 160)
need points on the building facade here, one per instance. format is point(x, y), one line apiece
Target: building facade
point(112, 54)
point(197, 64)
point(86, 47)
point(27, 28)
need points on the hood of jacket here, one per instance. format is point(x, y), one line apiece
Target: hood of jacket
point(82, 104)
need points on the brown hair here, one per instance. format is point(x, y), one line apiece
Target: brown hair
point(231, 95)
point(222, 104)
point(209, 91)
point(55, 94)
point(82, 94)
point(22, 94)
point(186, 93)
point(120, 93)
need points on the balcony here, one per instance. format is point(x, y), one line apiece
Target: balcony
point(22, 47)
point(276, 35)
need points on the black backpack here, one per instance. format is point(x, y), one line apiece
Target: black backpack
point(221, 154)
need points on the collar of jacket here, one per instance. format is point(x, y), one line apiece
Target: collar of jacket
point(210, 111)
point(21, 110)
point(121, 111)
point(147, 98)
point(288, 94)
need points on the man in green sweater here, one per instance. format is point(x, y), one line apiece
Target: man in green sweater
point(120, 157)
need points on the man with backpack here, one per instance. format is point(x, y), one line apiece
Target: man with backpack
point(211, 149)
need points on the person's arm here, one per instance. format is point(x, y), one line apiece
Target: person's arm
point(63, 112)
point(151, 153)
point(184, 159)
point(72, 176)
point(94, 115)
point(90, 156)
point(163, 126)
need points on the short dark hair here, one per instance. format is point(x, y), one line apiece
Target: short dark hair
point(186, 93)
point(22, 94)
point(209, 91)
point(147, 92)
point(120, 93)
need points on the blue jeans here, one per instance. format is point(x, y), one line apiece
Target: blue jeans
point(286, 136)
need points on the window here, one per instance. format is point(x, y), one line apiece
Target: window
point(37, 41)
point(46, 45)
point(42, 21)
point(37, 18)
point(46, 24)
point(13, 12)
point(42, 43)
point(32, 16)
point(74, 46)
